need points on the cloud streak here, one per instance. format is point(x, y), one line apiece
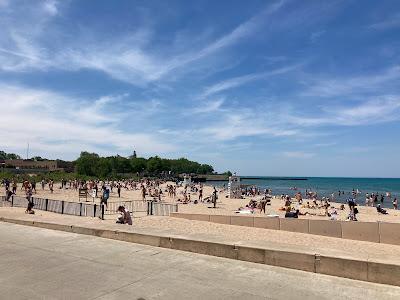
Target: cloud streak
point(126, 59)
point(58, 123)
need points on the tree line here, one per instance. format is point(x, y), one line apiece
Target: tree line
point(91, 164)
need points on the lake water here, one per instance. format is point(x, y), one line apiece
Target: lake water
point(325, 186)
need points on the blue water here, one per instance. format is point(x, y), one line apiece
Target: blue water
point(325, 186)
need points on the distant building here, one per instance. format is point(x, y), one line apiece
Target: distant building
point(48, 165)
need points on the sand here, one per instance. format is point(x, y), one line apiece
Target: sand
point(225, 206)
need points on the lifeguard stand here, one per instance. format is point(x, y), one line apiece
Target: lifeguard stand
point(187, 180)
point(234, 187)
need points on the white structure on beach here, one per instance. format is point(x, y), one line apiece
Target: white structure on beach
point(234, 187)
point(187, 180)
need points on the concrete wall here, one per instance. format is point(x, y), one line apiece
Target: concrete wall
point(294, 225)
point(293, 257)
point(362, 231)
point(389, 233)
point(326, 228)
point(377, 232)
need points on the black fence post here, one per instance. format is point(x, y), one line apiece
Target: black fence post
point(151, 207)
point(62, 207)
point(12, 201)
point(148, 207)
point(94, 210)
point(47, 203)
point(80, 209)
point(102, 212)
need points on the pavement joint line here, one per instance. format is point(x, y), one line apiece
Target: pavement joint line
point(292, 258)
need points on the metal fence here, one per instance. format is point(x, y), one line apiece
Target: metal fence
point(162, 209)
point(56, 206)
point(91, 209)
point(134, 206)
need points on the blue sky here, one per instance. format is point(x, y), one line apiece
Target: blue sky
point(300, 88)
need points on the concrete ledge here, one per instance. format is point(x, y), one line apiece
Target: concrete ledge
point(220, 219)
point(251, 254)
point(384, 273)
point(362, 231)
point(198, 217)
point(178, 215)
point(267, 223)
point(291, 260)
point(294, 225)
point(291, 257)
point(389, 233)
point(242, 221)
point(325, 228)
point(342, 267)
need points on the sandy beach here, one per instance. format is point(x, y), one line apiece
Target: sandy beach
point(225, 206)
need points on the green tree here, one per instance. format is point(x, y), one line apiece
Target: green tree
point(87, 163)
point(138, 164)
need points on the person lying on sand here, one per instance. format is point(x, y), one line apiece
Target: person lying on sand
point(381, 210)
point(292, 214)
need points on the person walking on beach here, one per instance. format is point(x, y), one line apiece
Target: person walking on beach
point(215, 197)
point(119, 190)
point(394, 203)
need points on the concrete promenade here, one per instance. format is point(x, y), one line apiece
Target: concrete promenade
point(374, 264)
point(39, 263)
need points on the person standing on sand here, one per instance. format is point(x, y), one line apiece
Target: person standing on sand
point(143, 190)
point(51, 186)
point(201, 194)
point(215, 197)
point(119, 190)
point(394, 203)
point(14, 187)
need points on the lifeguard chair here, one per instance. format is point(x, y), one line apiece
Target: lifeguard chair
point(234, 187)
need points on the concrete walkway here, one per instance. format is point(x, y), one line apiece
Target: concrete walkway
point(44, 264)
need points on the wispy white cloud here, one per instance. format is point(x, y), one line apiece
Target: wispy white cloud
point(350, 85)
point(316, 35)
point(388, 23)
point(209, 106)
point(298, 154)
point(50, 6)
point(382, 109)
point(50, 121)
point(234, 125)
point(241, 80)
point(4, 3)
point(126, 58)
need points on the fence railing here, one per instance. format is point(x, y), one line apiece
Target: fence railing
point(91, 209)
point(56, 206)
